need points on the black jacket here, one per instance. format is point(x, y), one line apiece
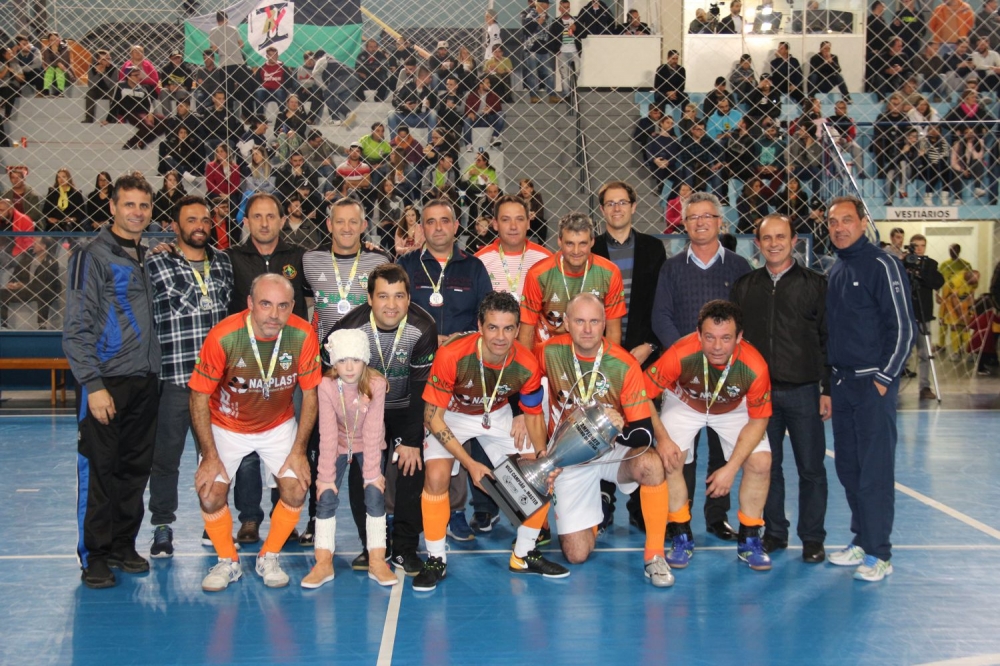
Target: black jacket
point(649, 258)
point(786, 322)
point(925, 279)
point(248, 263)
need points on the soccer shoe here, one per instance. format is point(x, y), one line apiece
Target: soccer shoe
point(752, 552)
point(873, 569)
point(409, 562)
point(482, 522)
point(163, 542)
point(128, 561)
point(434, 571)
point(658, 572)
point(221, 575)
point(534, 563)
point(269, 568)
point(308, 536)
point(98, 575)
point(458, 527)
point(851, 556)
point(681, 551)
point(607, 514)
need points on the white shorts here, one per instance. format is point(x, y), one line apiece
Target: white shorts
point(496, 442)
point(683, 424)
point(577, 499)
point(273, 447)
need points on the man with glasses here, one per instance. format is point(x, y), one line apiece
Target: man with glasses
point(687, 280)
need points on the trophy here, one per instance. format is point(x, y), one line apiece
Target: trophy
point(521, 486)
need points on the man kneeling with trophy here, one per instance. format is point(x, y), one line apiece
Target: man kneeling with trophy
point(583, 367)
point(472, 380)
point(714, 378)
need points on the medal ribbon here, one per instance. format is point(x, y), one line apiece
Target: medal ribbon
point(350, 431)
point(588, 393)
point(562, 272)
point(435, 287)
point(395, 342)
point(512, 283)
point(256, 354)
point(488, 404)
point(202, 282)
point(722, 379)
point(346, 289)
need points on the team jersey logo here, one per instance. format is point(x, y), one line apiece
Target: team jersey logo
point(401, 356)
point(363, 281)
point(241, 363)
point(602, 386)
point(733, 391)
point(289, 271)
point(321, 278)
point(238, 385)
point(503, 389)
point(285, 360)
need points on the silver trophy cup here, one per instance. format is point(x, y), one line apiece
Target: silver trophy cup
point(521, 486)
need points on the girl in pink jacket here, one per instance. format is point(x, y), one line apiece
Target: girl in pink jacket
point(351, 431)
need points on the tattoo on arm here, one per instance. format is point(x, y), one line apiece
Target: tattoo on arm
point(429, 411)
point(444, 436)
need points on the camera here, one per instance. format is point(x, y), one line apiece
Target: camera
point(713, 8)
point(914, 264)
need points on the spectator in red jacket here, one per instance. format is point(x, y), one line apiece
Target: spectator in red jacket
point(222, 177)
point(483, 108)
point(271, 77)
point(12, 219)
point(675, 210)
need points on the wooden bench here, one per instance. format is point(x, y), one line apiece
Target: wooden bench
point(57, 366)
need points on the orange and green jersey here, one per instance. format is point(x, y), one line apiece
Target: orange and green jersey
point(456, 385)
point(619, 383)
point(681, 370)
point(227, 370)
point(545, 295)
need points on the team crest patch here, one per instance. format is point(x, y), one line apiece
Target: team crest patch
point(503, 389)
point(363, 281)
point(289, 271)
point(602, 386)
point(285, 360)
point(400, 356)
point(733, 391)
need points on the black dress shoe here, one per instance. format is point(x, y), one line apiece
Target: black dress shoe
point(128, 561)
point(813, 552)
point(773, 543)
point(723, 530)
point(98, 575)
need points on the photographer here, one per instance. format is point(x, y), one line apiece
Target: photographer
point(924, 281)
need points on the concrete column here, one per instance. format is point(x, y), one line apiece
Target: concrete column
point(672, 27)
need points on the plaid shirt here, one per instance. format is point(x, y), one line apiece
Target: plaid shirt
point(181, 323)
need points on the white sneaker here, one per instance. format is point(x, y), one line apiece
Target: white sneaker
point(979, 192)
point(945, 198)
point(851, 556)
point(928, 201)
point(957, 201)
point(873, 569)
point(658, 572)
point(469, 148)
point(269, 569)
point(221, 575)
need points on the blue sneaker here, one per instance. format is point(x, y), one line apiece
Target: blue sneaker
point(681, 551)
point(458, 527)
point(483, 522)
point(752, 552)
point(163, 542)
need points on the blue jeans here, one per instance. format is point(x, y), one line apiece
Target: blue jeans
point(796, 410)
point(329, 501)
point(263, 96)
point(491, 120)
point(538, 66)
point(864, 438)
point(412, 119)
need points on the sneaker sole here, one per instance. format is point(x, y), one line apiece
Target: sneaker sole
point(313, 586)
point(278, 585)
point(99, 585)
point(383, 583)
point(160, 556)
point(859, 576)
point(220, 589)
point(538, 573)
point(670, 582)
point(425, 588)
point(121, 566)
point(471, 537)
point(400, 567)
point(758, 567)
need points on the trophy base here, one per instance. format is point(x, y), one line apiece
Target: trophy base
point(513, 494)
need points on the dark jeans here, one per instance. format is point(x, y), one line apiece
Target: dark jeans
point(112, 465)
point(820, 85)
point(172, 425)
point(404, 490)
point(864, 438)
point(938, 176)
point(716, 508)
point(796, 410)
point(94, 93)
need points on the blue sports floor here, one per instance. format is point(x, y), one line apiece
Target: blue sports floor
point(942, 604)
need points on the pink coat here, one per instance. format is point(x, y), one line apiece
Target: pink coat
point(369, 431)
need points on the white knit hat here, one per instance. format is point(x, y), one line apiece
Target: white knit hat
point(348, 343)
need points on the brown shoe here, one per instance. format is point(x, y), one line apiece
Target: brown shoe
point(535, 100)
point(249, 532)
point(927, 393)
point(322, 571)
point(554, 99)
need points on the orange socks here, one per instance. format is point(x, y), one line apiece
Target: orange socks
point(437, 511)
point(539, 519)
point(748, 521)
point(219, 526)
point(283, 521)
point(655, 501)
point(682, 515)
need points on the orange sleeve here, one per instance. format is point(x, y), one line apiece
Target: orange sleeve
point(531, 299)
point(531, 394)
point(614, 300)
point(440, 385)
point(968, 20)
point(935, 23)
point(759, 395)
point(210, 366)
point(310, 366)
point(663, 373)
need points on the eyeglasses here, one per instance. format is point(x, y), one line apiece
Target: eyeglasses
point(624, 203)
point(697, 218)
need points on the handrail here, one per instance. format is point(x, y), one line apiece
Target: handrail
point(833, 153)
point(582, 157)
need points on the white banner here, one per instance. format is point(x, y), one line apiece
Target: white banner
point(922, 214)
point(271, 23)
